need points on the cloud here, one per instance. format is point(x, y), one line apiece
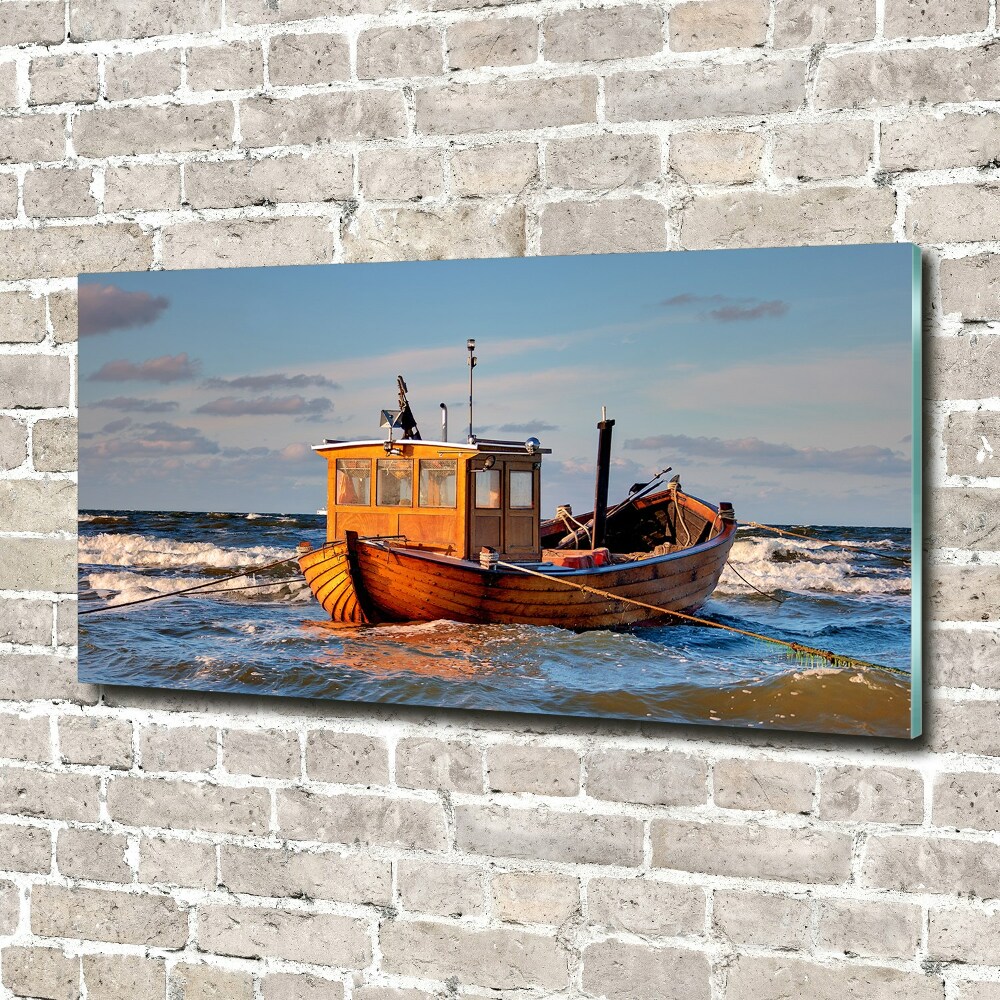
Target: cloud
point(728, 309)
point(152, 440)
point(129, 404)
point(859, 460)
point(287, 406)
point(275, 381)
point(107, 307)
point(531, 427)
point(168, 368)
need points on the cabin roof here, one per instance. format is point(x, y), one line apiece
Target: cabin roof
point(482, 445)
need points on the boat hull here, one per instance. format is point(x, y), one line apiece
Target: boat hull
point(327, 570)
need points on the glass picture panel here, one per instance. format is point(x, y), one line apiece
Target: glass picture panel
point(487, 489)
point(438, 479)
point(521, 490)
point(394, 482)
point(354, 481)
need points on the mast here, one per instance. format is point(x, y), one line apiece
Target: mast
point(471, 347)
point(599, 528)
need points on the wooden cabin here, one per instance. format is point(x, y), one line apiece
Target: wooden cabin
point(447, 497)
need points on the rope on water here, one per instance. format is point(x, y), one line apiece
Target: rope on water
point(905, 560)
point(763, 593)
point(834, 659)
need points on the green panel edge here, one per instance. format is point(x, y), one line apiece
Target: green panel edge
point(917, 537)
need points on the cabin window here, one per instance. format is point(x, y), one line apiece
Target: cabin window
point(438, 481)
point(488, 489)
point(394, 484)
point(354, 481)
point(522, 489)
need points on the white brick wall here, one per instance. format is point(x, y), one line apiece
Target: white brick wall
point(168, 845)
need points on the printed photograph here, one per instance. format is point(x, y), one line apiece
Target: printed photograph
point(671, 487)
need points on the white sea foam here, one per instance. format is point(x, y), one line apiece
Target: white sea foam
point(162, 553)
point(804, 567)
point(118, 588)
point(253, 517)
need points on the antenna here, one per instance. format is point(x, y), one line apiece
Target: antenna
point(471, 347)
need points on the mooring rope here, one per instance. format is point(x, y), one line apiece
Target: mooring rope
point(763, 593)
point(835, 659)
point(822, 541)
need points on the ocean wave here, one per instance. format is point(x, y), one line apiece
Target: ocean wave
point(807, 567)
point(120, 588)
point(160, 553)
point(101, 519)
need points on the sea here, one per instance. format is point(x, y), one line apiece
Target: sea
point(254, 627)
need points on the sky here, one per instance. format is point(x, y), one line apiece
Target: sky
point(778, 379)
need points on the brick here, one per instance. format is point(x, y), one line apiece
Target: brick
point(595, 34)
point(33, 138)
point(178, 748)
point(10, 907)
point(233, 66)
point(516, 959)
point(808, 22)
point(44, 973)
point(932, 142)
point(13, 443)
point(717, 24)
point(63, 318)
point(263, 12)
point(188, 806)
point(752, 851)
point(626, 225)
point(142, 74)
point(907, 76)
point(66, 623)
point(37, 564)
point(299, 986)
point(963, 727)
point(939, 865)
point(29, 676)
point(465, 231)
point(764, 218)
point(766, 978)
point(535, 897)
point(391, 993)
point(8, 196)
point(361, 114)
point(69, 250)
point(646, 906)
point(91, 19)
point(869, 928)
point(762, 919)
point(537, 770)
point(142, 187)
point(401, 174)
point(169, 129)
point(546, 835)
point(783, 786)
point(25, 737)
point(963, 593)
point(9, 97)
point(510, 41)
point(123, 977)
point(919, 18)
point(89, 739)
point(59, 193)
point(977, 990)
point(93, 854)
point(954, 213)
point(957, 658)
point(621, 970)
point(971, 286)
point(99, 915)
point(28, 22)
point(167, 861)
point(22, 318)
point(961, 367)
point(25, 849)
point(248, 243)
point(506, 104)
point(705, 91)
point(410, 50)
point(267, 753)
point(296, 60)
point(660, 778)
point(49, 795)
point(965, 518)
point(603, 161)
point(206, 982)
point(963, 934)
point(447, 890)
point(969, 801)
point(63, 79)
point(485, 170)
point(364, 819)
point(871, 795)
point(347, 758)
point(972, 443)
point(254, 932)
point(348, 877)
point(823, 152)
point(449, 765)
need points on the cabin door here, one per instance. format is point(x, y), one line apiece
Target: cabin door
point(486, 521)
point(521, 511)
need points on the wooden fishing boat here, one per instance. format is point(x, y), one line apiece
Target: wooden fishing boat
point(427, 530)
